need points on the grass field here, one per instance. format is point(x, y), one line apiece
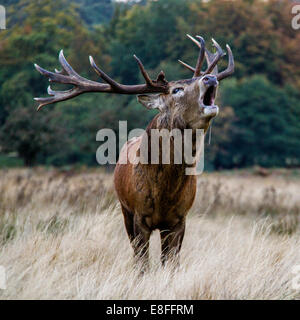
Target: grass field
point(62, 237)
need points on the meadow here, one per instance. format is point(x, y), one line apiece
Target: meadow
point(62, 237)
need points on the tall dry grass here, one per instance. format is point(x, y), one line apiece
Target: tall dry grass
point(62, 237)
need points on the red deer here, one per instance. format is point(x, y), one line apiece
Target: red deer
point(155, 196)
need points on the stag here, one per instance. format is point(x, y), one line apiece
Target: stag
point(155, 196)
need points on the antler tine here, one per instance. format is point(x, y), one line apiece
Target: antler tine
point(187, 65)
point(143, 71)
point(56, 96)
point(54, 77)
point(65, 65)
point(201, 45)
point(230, 68)
point(103, 75)
point(59, 71)
point(194, 40)
point(200, 57)
point(219, 54)
point(161, 79)
point(209, 58)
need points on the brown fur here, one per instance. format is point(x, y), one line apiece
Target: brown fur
point(154, 196)
point(159, 196)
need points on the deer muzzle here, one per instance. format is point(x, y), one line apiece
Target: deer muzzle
point(208, 86)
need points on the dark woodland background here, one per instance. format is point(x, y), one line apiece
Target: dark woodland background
point(259, 120)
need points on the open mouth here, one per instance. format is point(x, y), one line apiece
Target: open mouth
point(207, 101)
point(209, 96)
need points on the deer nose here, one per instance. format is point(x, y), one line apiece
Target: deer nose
point(211, 81)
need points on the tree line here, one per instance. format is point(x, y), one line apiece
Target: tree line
point(259, 117)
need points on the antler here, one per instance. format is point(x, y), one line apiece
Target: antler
point(209, 58)
point(212, 59)
point(230, 68)
point(82, 85)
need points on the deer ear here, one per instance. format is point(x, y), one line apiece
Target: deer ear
point(150, 101)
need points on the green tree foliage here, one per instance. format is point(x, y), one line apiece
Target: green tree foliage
point(259, 33)
point(146, 32)
point(267, 129)
point(42, 30)
point(95, 12)
point(34, 138)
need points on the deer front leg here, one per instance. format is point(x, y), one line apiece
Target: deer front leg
point(129, 225)
point(171, 241)
point(140, 243)
point(138, 236)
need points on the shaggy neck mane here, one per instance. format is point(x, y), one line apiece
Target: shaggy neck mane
point(165, 121)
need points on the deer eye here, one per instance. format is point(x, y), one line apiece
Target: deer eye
point(177, 90)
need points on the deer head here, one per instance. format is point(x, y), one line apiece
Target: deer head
point(182, 103)
point(191, 102)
